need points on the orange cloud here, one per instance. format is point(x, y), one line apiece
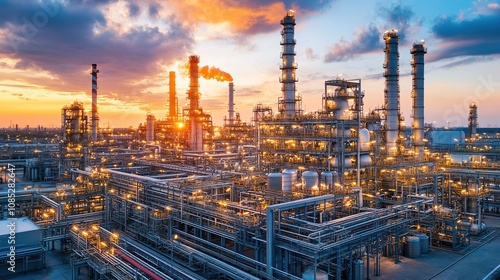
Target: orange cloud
point(238, 18)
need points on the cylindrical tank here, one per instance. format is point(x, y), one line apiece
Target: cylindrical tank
point(289, 180)
point(310, 179)
point(366, 160)
point(329, 178)
point(412, 247)
point(347, 162)
point(309, 274)
point(274, 181)
point(471, 205)
point(364, 139)
point(47, 172)
point(389, 249)
point(358, 271)
point(424, 243)
point(150, 128)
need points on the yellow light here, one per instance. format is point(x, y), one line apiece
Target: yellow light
point(75, 228)
point(176, 236)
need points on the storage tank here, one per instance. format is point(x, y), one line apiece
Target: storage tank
point(309, 274)
point(358, 271)
point(150, 128)
point(310, 179)
point(424, 243)
point(471, 205)
point(347, 162)
point(274, 181)
point(329, 178)
point(366, 160)
point(364, 139)
point(289, 180)
point(412, 247)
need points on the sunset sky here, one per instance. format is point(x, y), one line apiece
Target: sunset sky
point(47, 48)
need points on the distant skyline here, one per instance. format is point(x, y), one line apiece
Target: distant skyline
point(47, 48)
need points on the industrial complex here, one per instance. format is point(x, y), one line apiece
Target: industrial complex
point(328, 194)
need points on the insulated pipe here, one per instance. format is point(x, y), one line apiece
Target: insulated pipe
point(288, 66)
point(138, 265)
point(418, 51)
point(270, 211)
point(231, 103)
point(391, 92)
point(95, 118)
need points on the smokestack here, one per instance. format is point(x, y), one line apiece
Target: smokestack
point(95, 118)
point(472, 121)
point(418, 51)
point(172, 96)
point(288, 66)
point(196, 140)
point(231, 103)
point(193, 94)
point(391, 92)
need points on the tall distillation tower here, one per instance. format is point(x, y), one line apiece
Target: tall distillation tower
point(172, 97)
point(95, 118)
point(288, 102)
point(391, 91)
point(417, 62)
point(472, 121)
point(231, 103)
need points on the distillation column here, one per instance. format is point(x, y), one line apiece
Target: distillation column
point(231, 103)
point(288, 66)
point(95, 118)
point(150, 128)
point(196, 135)
point(391, 92)
point(472, 121)
point(418, 51)
point(172, 98)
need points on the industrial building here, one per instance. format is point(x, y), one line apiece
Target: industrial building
point(328, 194)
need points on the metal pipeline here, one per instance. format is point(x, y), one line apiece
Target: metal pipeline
point(138, 265)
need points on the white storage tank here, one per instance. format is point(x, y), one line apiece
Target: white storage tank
point(347, 162)
point(274, 181)
point(289, 180)
point(309, 274)
point(329, 178)
point(364, 139)
point(366, 160)
point(310, 180)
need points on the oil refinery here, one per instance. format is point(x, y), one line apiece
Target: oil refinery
point(339, 192)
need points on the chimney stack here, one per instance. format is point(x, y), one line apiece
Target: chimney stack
point(231, 103)
point(172, 99)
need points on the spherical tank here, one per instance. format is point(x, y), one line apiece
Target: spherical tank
point(274, 181)
point(289, 180)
